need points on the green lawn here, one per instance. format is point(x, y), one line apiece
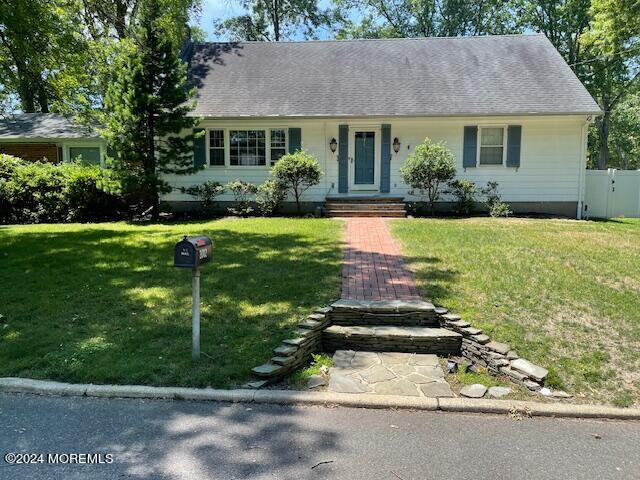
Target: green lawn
point(103, 303)
point(565, 294)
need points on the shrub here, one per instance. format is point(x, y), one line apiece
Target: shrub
point(270, 195)
point(427, 168)
point(297, 172)
point(8, 164)
point(493, 201)
point(465, 193)
point(500, 209)
point(206, 194)
point(242, 193)
point(37, 192)
point(92, 193)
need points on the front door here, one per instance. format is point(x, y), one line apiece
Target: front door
point(364, 158)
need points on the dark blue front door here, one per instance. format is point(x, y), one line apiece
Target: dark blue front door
point(364, 158)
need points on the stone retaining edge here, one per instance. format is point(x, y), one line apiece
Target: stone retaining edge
point(291, 397)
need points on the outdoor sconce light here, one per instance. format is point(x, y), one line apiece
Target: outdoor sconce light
point(396, 145)
point(333, 145)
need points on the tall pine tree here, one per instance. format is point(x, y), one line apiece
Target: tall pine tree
point(147, 104)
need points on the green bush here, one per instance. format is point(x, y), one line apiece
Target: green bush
point(242, 193)
point(297, 172)
point(493, 201)
point(465, 193)
point(206, 194)
point(36, 192)
point(427, 168)
point(269, 197)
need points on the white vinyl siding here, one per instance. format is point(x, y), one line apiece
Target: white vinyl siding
point(549, 159)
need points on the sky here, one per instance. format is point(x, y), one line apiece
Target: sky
point(220, 9)
point(214, 9)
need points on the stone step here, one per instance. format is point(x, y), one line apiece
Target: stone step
point(385, 338)
point(384, 312)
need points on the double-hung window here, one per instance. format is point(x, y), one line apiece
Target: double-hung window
point(491, 146)
point(216, 148)
point(278, 144)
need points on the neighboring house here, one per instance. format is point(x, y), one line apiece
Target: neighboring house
point(509, 108)
point(50, 137)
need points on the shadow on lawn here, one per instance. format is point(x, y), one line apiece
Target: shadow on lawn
point(433, 281)
point(108, 306)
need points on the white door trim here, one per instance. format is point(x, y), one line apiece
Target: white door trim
point(375, 186)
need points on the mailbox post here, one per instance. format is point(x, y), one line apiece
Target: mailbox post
point(192, 252)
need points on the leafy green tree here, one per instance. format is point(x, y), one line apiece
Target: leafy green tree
point(297, 172)
point(598, 44)
point(425, 18)
point(429, 167)
point(42, 56)
point(274, 20)
point(147, 105)
point(613, 72)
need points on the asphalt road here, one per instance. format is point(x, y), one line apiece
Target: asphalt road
point(187, 440)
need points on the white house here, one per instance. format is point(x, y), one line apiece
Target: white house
point(509, 108)
point(50, 137)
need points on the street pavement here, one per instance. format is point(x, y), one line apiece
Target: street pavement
point(153, 439)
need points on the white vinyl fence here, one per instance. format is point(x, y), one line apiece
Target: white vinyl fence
point(612, 193)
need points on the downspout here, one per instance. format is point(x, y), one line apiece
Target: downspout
point(583, 167)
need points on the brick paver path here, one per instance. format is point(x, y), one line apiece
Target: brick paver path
point(373, 268)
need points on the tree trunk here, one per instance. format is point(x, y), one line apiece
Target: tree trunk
point(43, 99)
point(603, 124)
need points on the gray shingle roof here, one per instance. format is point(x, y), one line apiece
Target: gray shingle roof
point(43, 125)
point(519, 74)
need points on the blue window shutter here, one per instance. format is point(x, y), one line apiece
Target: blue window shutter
point(514, 139)
point(343, 158)
point(385, 159)
point(199, 148)
point(295, 139)
point(470, 149)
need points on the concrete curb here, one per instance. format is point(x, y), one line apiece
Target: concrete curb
point(292, 397)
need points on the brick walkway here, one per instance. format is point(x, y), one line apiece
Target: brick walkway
point(373, 268)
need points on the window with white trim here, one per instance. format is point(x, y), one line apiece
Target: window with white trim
point(278, 144)
point(90, 155)
point(491, 146)
point(247, 147)
point(216, 148)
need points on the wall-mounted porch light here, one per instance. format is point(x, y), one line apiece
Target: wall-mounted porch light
point(396, 145)
point(333, 145)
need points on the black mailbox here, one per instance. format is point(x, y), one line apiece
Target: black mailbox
point(191, 252)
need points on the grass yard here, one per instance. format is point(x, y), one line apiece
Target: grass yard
point(103, 303)
point(565, 294)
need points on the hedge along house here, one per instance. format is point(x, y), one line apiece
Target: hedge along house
point(50, 137)
point(508, 107)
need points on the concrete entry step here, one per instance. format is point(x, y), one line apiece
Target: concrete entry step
point(388, 338)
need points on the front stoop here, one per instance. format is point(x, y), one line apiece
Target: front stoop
point(365, 207)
